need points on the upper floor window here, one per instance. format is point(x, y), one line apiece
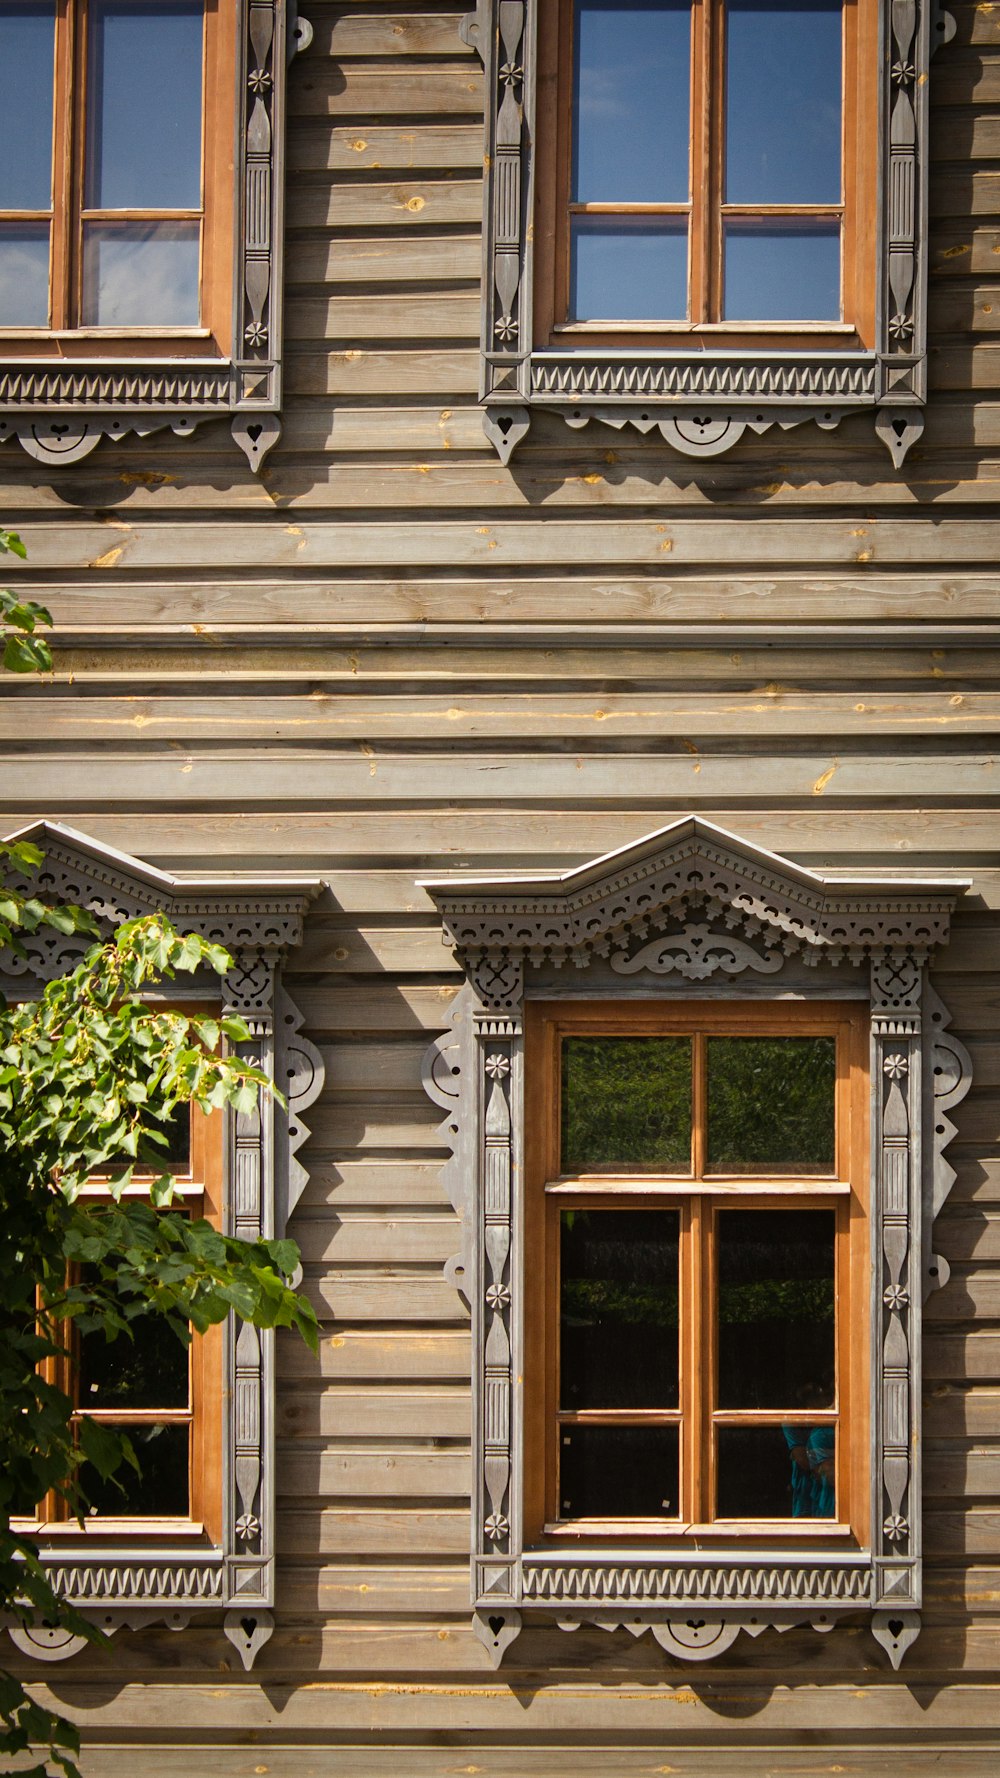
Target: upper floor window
point(111, 208)
point(708, 170)
point(703, 216)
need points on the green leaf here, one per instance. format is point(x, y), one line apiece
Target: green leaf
point(26, 654)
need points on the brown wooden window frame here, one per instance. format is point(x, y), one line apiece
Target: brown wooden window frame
point(699, 1196)
point(66, 334)
point(199, 1192)
point(706, 209)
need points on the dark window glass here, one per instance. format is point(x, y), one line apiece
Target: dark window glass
point(141, 274)
point(24, 274)
point(150, 1370)
point(783, 102)
point(782, 270)
point(144, 80)
point(161, 1491)
point(631, 102)
point(776, 1308)
point(618, 1309)
point(771, 1104)
point(626, 1104)
point(27, 40)
point(776, 1472)
point(628, 268)
point(620, 1472)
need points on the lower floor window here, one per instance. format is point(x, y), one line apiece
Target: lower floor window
point(699, 1345)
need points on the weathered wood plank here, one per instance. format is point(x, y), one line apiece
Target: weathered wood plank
point(362, 1354)
point(408, 654)
point(367, 1473)
point(362, 203)
point(448, 315)
point(282, 613)
point(959, 1410)
point(620, 1761)
point(632, 1707)
point(392, 1294)
point(372, 1182)
point(445, 373)
point(389, 1237)
point(960, 1356)
point(347, 1414)
point(373, 1531)
point(367, 92)
point(692, 777)
point(404, 257)
point(316, 148)
point(666, 544)
point(390, 34)
point(320, 715)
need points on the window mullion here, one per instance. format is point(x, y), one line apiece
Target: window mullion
point(701, 135)
point(63, 164)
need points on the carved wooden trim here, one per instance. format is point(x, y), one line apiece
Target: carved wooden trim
point(757, 913)
point(701, 402)
point(60, 412)
point(258, 922)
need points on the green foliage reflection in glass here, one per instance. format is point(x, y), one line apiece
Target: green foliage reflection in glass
point(626, 1105)
point(771, 1104)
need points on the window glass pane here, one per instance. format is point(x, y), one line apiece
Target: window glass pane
point(771, 1104)
point(24, 274)
point(631, 99)
point(626, 1104)
point(618, 1308)
point(27, 38)
point(782, 271)
point(627, 269)
point(620, 1472)
point(141, 274)
point(150, 1370)
point(783, 102)
point(776, 1472)
point(144, 77)
point(776, 1308)
point(162, 1490)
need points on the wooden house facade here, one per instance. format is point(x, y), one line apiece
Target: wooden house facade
point(393, 702)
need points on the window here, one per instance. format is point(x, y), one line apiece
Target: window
point(698, 1203)
point(198, 1533)
point(163, 1394)
point(709, 171)
point(114, 218)
point(698, 1103)
point(705, 215)
point(122, 303)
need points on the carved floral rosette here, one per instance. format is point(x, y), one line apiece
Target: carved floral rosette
point(258, 923)
point(702, 401)
point(754, 914)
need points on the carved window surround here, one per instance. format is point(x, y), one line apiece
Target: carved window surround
point(258, 922)
point(60, 409)
point(701, 402)
point(688, 910)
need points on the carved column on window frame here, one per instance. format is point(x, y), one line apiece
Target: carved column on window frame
point(497, 1033)
point(896, 990)
point(249, 992)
